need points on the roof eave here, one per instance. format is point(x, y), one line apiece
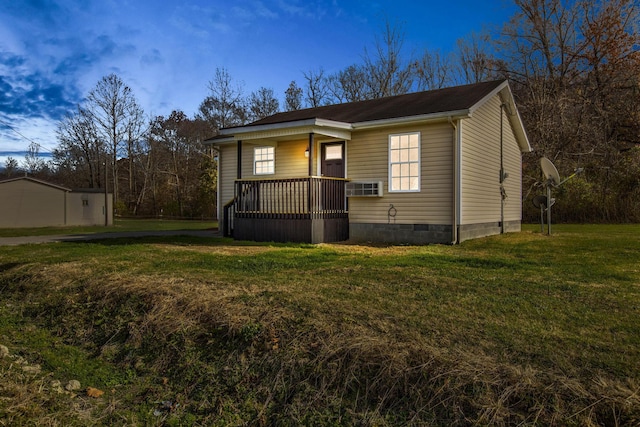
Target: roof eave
point(325, 127)
point(220, 141)
point(503, 90)
point(514, 118)
point(239, 130)
point(444, 115)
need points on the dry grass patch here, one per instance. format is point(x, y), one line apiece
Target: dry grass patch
point(349, 334)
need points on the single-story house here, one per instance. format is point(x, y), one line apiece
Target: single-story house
point(30, 202)
point(441, 166)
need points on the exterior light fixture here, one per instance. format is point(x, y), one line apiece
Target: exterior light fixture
point(306, 153)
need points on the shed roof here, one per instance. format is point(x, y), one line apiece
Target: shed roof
point(37, 181)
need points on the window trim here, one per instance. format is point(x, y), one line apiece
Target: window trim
point(419, 163)
point(255, 161)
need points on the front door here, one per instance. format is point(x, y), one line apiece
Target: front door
point(332, 159)
point(332, 165)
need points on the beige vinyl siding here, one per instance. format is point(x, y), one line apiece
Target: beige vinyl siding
point(290, 161)
point(480, 167)
point(368, 160)
point(513, 184)
point(227, 174)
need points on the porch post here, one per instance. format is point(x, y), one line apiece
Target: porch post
point(239, 167)
point(311, 151)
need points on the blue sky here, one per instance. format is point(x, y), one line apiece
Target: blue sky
point(52, 52)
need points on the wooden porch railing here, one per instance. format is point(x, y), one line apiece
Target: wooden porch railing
point(292, 198)
point(312, 209)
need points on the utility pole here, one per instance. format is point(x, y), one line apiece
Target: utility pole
point(106, 195)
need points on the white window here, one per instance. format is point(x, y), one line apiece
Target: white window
point(404, 162)
point(264, 160)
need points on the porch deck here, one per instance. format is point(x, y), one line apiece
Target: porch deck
point(305, 210)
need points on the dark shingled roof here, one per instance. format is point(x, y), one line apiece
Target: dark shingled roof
point(412, 104)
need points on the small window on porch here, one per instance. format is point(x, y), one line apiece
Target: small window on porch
point(333, 152)
point(264, 160)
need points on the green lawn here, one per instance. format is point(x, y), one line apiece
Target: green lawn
point(521, 329)
point(119, 225)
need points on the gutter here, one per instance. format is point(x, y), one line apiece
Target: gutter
point(239, 130)
point(445, 115)
point(229, 135)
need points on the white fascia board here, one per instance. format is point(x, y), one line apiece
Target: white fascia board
point(285, 125)
point(506, 96)
point(445, 115)
point(516, 121)
point(290, 133)
point(220, 141)
point(333, 133)
point(491, 94)
point(521, 133)
point(241, 130)
point(330, 128)
point(333, 124)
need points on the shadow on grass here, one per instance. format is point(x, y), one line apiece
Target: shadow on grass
point(9, 266)
point(178, 240)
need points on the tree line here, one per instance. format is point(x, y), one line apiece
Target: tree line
point(574, 68)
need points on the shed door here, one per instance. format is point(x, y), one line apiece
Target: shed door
point(332, 159)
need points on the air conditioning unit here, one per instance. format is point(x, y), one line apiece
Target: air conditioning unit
point(364, 189)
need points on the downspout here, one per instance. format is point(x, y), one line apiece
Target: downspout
point(501, 171)
point(502, 174)
point(456, 186)
point(106, 194)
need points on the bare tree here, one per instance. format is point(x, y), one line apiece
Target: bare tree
point(349, 85)
point(33, 163)
point(474, 61)
point(178, 165)
point(316, 90)
point(80, 153)
point(432, 71)
point(10, 167)
point(293, 97)
point(575, 69)
point(136, 147)
point(116, 114)
point(225, 104)
point(541, 40)
point(263, 103)
point(386, 72)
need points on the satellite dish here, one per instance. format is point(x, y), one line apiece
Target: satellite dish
point(549, 171)
point(540, 201)
point(552, 179)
